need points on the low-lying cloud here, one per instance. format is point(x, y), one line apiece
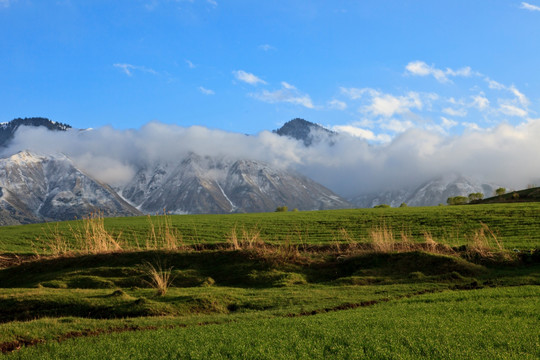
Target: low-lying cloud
point(348, 165)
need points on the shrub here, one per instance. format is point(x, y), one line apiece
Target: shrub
point(381, 206)
point(282, 209)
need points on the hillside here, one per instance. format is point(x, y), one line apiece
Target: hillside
point(526, 195)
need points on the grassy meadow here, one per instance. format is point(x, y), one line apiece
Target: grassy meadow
point(407, 283)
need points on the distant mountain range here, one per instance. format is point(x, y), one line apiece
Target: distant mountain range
point(43, 187)
point(433, 192)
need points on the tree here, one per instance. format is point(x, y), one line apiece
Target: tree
point(282, 209)
point(457, 200)
point(381, 206)
point(403, 205)
point(500, 191)
point(475, 196)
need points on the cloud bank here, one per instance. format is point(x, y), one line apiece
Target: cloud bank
point(349, 165)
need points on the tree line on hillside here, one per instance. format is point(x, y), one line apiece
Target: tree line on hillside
point(473, 197)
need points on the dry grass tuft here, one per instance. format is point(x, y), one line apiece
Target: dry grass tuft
point(382, 239)
point(163, 235)
point(247, 239)
point(160, 277)
point(93, 238)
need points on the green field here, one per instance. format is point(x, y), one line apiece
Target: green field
point(407, 283)
point(516, 225)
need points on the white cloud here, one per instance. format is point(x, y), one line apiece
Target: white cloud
point(529, 7)
point(212, 2)
point(512, 110)
point(266, 47)
point(480, 102)
point(505, 155)
point(128, 69)
point(356, 93)
point(520, 96)
point(190, 64)
point(397, 125)
point(447, 123)
point(337, 105)
point(248, 77)
point(361, 133)
point(471, 126)
point(288, 94)
point(494, 84)
point(455, 112)
point(206, 91)
point(420, 68)
point(389, 105)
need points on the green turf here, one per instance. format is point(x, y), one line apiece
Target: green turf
point(500, 323)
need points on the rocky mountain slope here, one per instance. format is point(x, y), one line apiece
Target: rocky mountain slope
point(433, 192)
point(211, 185)
point(36, 188)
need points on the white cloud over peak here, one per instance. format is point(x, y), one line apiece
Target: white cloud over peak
point(288, 94)
point(248, 78)
point(420, 68)
point(504, 154)
point(361, 133)
point(530, 7)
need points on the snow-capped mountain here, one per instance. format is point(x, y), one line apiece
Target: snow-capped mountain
point(210, 185)
point(35, 187)
point(430, 193)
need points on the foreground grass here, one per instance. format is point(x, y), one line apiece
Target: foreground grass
point(500, 323)
point(515, 225)
point(448, 282)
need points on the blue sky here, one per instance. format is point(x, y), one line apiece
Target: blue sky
point(373, 69)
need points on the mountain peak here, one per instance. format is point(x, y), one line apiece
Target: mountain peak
point(7, 129)
point(303, 130)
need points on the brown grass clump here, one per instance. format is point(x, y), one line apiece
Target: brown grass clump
point(382, 239)
point(93, 238)
point(246, 239)
point(160, 277)
point(164, 235)
point(484, 243)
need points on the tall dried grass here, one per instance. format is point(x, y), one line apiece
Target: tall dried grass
point(160, 277)
point(382, 239)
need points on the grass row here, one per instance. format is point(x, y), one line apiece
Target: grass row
point(514, 225)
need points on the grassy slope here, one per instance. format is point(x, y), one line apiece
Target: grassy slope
point(481, 324)
point(516, 225)
point(258, 302)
